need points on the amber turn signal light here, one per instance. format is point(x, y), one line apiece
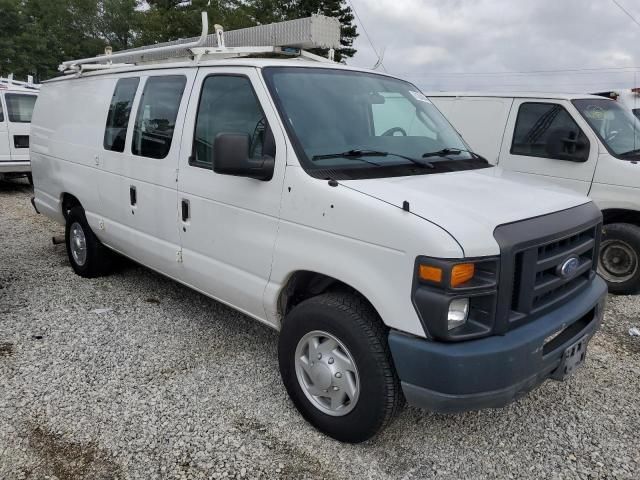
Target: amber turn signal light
point(461, 273)
point(432, 274)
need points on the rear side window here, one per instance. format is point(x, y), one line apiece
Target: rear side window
point(228, 104)
point(20, 107)
point(157, 113)
point(1, 112)
point(636, 112)
point(547, 130)
point(115, 131)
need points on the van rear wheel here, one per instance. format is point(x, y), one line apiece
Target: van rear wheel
point(89, 258)
point(619, 258)
point(336, 366)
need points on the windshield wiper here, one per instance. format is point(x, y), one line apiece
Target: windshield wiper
point(630, 152)
point(445, 152)
point(358, 154)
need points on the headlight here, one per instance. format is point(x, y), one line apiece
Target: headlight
point(456, 299)
point(458, 313)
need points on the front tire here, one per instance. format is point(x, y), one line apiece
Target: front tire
point(336, 366)
point(89, 258)
point(619, 258)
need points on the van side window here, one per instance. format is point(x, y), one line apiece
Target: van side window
point(636, 112)
point(228, 104)
point(157, 113)
point(1, 112)
point(547, 130)
point(20, 107)
point(115, 131)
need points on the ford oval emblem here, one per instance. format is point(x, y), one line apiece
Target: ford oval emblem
point(569, 267)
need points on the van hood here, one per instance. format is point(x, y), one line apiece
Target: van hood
point(471, 204)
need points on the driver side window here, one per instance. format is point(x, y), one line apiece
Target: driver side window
point(398, 116)
point(228, 104)
point(547, 130)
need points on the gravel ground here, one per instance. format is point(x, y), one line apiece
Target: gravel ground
point(171, 384)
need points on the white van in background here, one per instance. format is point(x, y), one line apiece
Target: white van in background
point(17, 100)
point(585, 143)
point(334, 204)
point(628, 98)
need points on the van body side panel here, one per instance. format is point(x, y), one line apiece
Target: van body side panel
point(65, 139)
point(228, 238)
point(608, 196)
point(331, 230)
point(480, 121)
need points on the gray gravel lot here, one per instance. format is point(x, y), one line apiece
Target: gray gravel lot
point(171, 384)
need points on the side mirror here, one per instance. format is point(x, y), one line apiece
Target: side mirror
point(566, 144)
point(231, 157)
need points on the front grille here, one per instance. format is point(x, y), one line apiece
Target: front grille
point(538, 283)
point(531, 251)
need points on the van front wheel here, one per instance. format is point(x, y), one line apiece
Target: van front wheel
point(89, 258)
point(619, 258)
point(336, 366)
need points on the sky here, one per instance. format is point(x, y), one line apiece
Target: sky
point(502, 45)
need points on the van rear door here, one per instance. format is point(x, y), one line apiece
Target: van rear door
point(19, 113)
point(5, 152)
point(549, 139)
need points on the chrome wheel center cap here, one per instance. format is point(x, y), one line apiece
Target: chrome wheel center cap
point(321, 375)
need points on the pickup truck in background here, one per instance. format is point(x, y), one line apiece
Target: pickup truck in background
point(584, 143)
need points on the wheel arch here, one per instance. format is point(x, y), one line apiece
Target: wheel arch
point(304, 284)
point(67, 202)
point(620, 215)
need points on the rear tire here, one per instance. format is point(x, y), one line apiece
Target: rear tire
point(619, 258)
point(89, 258)
point(360, 337)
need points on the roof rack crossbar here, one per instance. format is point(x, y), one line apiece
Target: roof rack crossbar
point(8, 80)
point(109, 57)
point(281, 38)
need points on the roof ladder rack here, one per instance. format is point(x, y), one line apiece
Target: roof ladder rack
point(8, 81)
point(288, 38)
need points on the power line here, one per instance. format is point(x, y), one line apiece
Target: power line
point(626, 12)
point(541, 72)
point(355, 12)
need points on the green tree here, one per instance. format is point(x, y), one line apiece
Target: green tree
point(119, 22)
point(11, 27)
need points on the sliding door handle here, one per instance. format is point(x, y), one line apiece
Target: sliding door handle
point(133, 196)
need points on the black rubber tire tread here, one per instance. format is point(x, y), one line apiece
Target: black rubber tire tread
point(630, 234)
point(99, 258)
point(365, 324)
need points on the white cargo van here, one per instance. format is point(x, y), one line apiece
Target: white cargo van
point(16, 107)
point(335, 205)
point(585, 143)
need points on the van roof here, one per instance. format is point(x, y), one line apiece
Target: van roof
point(542, 95)
point(17, 89)
point(228, 62)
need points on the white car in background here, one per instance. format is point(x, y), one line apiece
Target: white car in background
point(17, 100)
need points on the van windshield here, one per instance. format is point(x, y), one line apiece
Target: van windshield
point(617, 127)
point(348, 125)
